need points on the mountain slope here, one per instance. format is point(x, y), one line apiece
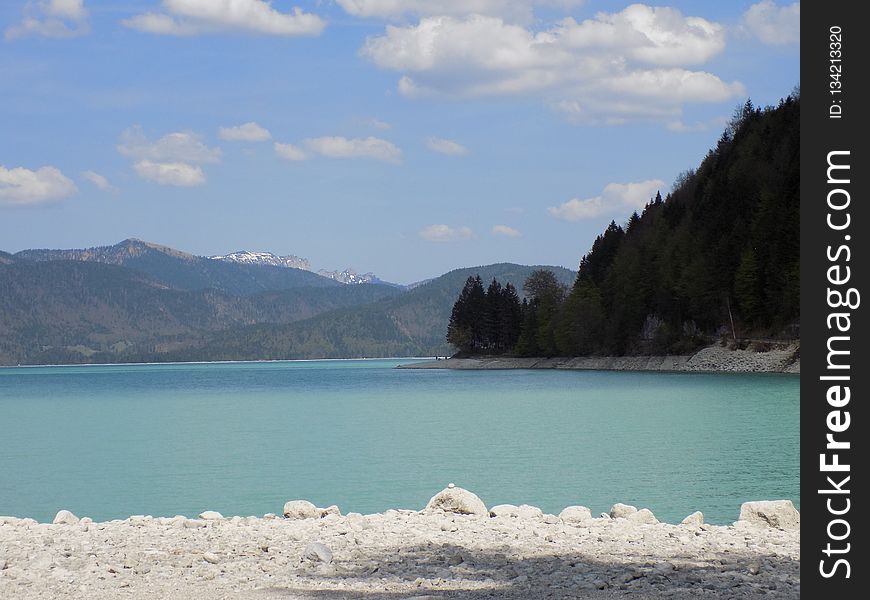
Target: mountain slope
point(184, 271)
point(75, 311)
point(410, 324)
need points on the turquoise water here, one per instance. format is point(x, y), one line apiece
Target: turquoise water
point(113, 441)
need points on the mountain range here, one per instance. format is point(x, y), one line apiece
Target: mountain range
point(139, 301)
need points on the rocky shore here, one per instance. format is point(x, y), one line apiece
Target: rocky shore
point(454, 548)
point(784, 358)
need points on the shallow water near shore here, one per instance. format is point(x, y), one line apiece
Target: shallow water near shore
point(242, 438)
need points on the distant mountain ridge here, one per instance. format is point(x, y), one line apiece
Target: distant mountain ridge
point(142, 302)
point(185, 271)
point(347, 276)
point(247, 257)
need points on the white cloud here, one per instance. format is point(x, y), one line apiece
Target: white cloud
point(180, 146)
point(378, 124)
point(22, 187)
point(52, 18)
point(99, 181)
point(445, 233)
point(615, 197)
point(511, 10)
point(772, 24)
point(616, 66)
point(170, 160)
point(505, 231)
point(192, 17)
point(448, 147)
point(290, 152)
point(342, 147)
point(170, 173)
point(247, 132)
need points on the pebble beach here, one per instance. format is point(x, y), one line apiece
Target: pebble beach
point(455, 547)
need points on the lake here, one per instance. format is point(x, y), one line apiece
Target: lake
point(111, 441)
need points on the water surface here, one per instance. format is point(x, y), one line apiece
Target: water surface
point(242, 438)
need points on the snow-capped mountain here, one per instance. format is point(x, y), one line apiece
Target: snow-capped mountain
point(349, 276)
point(247, 257)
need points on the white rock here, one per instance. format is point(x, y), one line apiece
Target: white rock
point(503, 510)
point(575, 514)
point(9, 520)
point(270, 516)
point(644, 516)
point(457, 500)
point(65, 517)
point(210, 515)
point(194, 523)
point(301, 509)
point(696, 519)
point(622, 511)
point(551, 519)
point(317, 552)
point(211, 557)
point(771, 513)
point(330, 510)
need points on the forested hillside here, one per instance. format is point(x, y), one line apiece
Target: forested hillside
point(717, 257)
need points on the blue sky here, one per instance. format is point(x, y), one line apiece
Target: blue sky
point(406, 137)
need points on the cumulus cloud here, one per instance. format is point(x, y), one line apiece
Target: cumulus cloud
point(289, 151)
point(99, 181)
point(247, 132)
point(615, 197)
point(510, 10)
point(170, 173)
point(180, 146)
point(772, 24)
point(22, 187)
point(169, 160)
point(504, 230)
point(634, 63)
point(51, 18)
point(448, 147)
point(342, 147)
point(445, 233)
point(193, 17)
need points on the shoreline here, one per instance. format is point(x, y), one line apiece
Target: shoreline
point(456, 547)
point(710, 359)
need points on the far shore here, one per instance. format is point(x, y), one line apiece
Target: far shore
point(783, 358)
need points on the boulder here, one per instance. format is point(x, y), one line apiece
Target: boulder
point(771, 513)
point(575, 514)
point(210, 515)
point(457, 500)
point(523, 511)
point(317, 552)
point(622, 511)
point(644, 516)
point(503, 510)
point(696, 519)
point(301, 509)
point(65, 517)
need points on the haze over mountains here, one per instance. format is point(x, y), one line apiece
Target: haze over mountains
point(140, 301)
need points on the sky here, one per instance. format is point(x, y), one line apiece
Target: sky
point(403, 137)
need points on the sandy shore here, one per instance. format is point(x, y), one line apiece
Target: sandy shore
point(434, 553)
point(712, 359)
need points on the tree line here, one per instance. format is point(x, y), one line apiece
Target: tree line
point(718, 256)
